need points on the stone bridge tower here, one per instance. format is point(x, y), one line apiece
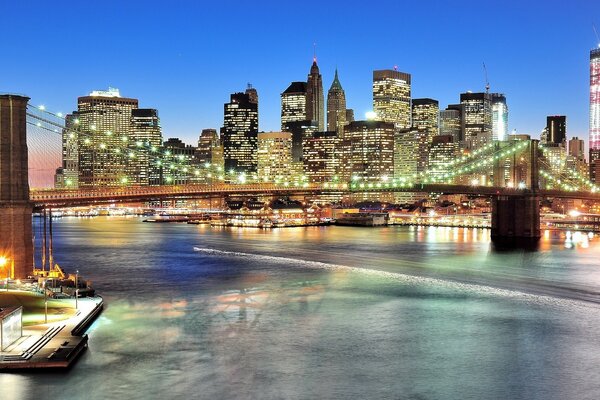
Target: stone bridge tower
point(15, 208)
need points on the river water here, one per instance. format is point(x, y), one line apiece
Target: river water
point(327, 313)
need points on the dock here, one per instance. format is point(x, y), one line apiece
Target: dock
point(55, 345)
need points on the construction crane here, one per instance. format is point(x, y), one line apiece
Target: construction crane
point(487, 83)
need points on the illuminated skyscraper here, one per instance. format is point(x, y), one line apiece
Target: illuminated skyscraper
point(322, 157)
point(443, 150)
point(293, 103)
point(274, 154)
point(315, 103)
point(371, 149)
point(477, 117)
point(209, 151)
point(240, 133)
point(336, 107)
point(595, 115)
point(499, 117)
point(556, 130)
point(425, 117)
point(391, 97)
point(146, 140)
point(104, 124)
point(451, 123)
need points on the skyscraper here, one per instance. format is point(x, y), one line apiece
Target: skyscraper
point(240, 133)
point(499, 117)
point(274, 155)
point(425, 117)
point(293, 103)
point(391, 97)
point(322, 157)
point(577, 148)
point(336, 107)
point(556, 130)
point(477, 116)
point(371, 149)
point(595, 115)
point(315, 103)
point(451, 123)
point(103, 122)
point(147, 137)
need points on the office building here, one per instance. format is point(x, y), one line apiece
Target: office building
point(477, 116)
point(146, 140)
point(371, 149)
point(336, 107)
point(240, 133)
point(499, 117)
point(442, 152)
point(425, 117)
point(315, 104)
point(451, 123)
point(594, 133)
point(556, 130)
point(293, 103)
point(274, 155)
point(322, 157)
point(391, 97)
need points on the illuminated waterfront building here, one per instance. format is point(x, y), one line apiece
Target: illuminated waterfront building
point(240, 132)
point(499, 117)
point(443, 150)
point(322, 157)
point(103, 125)
point(274, 155)
point(336, 107)
point(451, 124)
point(293, 103)
point(556, 130)
point(315, 103)
point(146, 140)
point(370, 147)
point(595, 115)
point(391, 97)
point(425, 117)
point(477, 115)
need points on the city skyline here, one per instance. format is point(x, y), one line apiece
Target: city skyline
point(168, 69)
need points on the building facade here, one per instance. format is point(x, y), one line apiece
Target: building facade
point(274, 155)
point(293, 103)
point(147, 139)
point(499, 117)
point(594, 133)
point(477, 115)
point(391, 97)
point(425, 117)
point(556, 130)
point(322, 157)
point(240, 133)
point(370, 147)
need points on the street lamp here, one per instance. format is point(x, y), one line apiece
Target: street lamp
point(76, 287)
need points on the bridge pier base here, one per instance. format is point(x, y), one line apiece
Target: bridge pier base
point(516, 218)
point(15, 208)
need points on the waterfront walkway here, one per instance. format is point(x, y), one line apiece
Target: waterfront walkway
point(53, 345)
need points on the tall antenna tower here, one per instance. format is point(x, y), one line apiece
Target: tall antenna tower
point(487, 83)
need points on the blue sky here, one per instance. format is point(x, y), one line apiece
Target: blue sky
point(186, 57)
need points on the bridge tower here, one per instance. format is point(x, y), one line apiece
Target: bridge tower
point(15, 208)
point(517, 217)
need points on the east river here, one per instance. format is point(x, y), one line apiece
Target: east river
point(195, 312)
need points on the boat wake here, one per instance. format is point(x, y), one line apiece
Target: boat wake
point(469, 288)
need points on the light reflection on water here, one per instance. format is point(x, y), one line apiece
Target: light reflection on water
point(327, 312)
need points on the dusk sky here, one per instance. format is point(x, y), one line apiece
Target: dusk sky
point(185, 58)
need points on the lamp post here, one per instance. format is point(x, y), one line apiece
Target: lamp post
point(76, 287)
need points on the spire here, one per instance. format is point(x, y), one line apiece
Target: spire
point(336, 82)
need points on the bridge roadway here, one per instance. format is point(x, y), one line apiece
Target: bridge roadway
point(58, 198)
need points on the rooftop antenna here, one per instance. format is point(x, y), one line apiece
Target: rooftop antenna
point(596, 32)
point(314, 51)
point(487, 82)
